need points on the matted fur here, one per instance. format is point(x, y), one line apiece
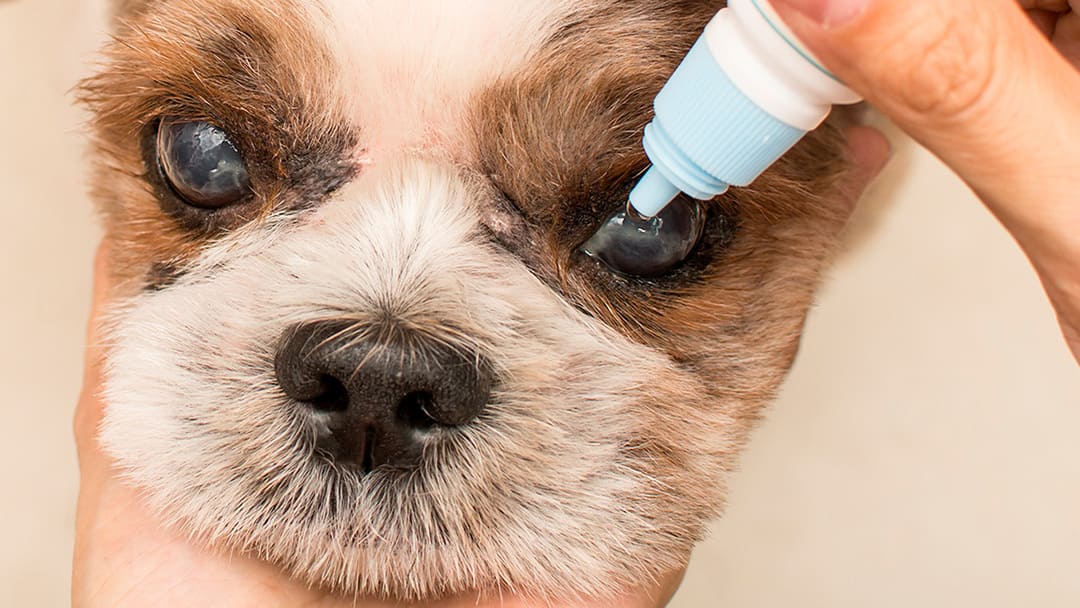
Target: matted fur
point(434, 187)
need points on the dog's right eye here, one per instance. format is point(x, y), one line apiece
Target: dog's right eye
point(201, 164)
point(640, 247)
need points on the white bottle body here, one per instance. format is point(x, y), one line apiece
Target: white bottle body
point(769, 65)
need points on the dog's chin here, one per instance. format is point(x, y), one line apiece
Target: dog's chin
point(578, 477)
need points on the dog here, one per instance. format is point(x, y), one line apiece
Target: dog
point(381, 318)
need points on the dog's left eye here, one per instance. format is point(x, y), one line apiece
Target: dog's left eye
point(641, 247)
point(201, 163)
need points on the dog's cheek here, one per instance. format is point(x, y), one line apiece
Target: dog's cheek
point(741, 326)
point(689, 438)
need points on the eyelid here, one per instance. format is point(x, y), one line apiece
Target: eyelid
point(197, 221)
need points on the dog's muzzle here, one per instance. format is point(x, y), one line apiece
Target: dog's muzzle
point(384, 393)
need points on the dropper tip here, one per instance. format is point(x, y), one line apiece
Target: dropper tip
point(652, 193)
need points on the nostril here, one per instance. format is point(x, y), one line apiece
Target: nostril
point(367, 450)
point(333, 397)
point(415, 408)
point(379, 402)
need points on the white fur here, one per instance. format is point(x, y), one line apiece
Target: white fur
point(539, 495)
point(409, 67)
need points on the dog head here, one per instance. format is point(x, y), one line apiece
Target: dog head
point(379, 319)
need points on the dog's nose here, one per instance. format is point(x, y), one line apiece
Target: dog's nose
point(383, 399)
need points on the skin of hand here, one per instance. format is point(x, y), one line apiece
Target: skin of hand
point(125, 558)
point(989, 86)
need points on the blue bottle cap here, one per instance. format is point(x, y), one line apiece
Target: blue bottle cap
point(706, 135)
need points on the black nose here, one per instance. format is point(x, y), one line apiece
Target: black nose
point(383, 399)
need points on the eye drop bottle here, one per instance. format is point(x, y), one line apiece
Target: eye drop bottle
point(743, 96)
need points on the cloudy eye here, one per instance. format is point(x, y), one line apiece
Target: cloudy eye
point(201, 163)
point(642, 247)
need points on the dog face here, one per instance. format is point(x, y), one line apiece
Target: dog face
point(377, 322)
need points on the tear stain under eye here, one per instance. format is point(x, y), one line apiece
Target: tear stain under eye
point(162, 275)
point(506, 226)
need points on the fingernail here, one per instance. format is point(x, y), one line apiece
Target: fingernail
point(826, 13)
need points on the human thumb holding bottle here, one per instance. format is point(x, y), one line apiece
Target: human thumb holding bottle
point(989, 86)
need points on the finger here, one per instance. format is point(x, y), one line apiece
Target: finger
point(1059, 21)
point(1044, 20)
point(88, 412)
point(869, 151)
point(1066, 36)
point(959, 76)
point(655, 595)
point(1056, 6)
point(984, 90)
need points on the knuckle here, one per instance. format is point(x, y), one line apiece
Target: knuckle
point(945, 67)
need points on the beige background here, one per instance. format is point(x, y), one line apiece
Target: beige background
point(924, 452)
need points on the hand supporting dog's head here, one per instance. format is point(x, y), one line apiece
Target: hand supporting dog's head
point(358, 333)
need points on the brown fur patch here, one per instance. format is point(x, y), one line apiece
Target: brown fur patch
point(259, 72)
point(562, 142)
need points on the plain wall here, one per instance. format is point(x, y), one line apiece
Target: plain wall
point(923, 453)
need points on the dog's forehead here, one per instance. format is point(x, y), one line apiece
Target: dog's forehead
point(409, 69)
point(414, 77)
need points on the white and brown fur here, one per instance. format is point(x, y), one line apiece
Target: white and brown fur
point(434, 166)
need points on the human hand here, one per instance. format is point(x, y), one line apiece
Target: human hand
point(125, 558)
point(992, 91)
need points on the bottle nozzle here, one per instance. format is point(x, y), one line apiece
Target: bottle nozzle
point(742, 97)
point(652, 193)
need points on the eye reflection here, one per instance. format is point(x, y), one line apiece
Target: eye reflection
point(636, 246)
point(201, 163)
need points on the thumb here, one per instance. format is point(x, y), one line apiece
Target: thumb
point(980, 86)
point(972, 80)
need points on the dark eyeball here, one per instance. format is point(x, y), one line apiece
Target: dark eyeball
point(632, 245)
point(201, 163)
